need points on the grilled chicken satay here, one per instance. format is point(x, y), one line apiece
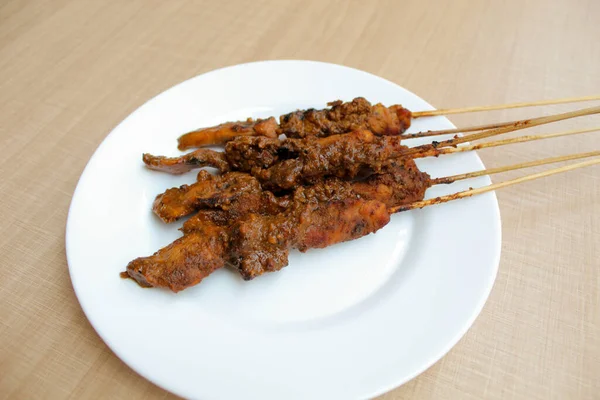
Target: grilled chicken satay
point(256, 244)
point(342, 156)
point(315, 220)
point(242, 193)
point(398, 182)
point(187, 162)
point(249, 151)
point(329, 212)
point(186, 261)
point(342, 117)
point(243, 154)
point(254, 154)
point(223, 133)
point(235, 191)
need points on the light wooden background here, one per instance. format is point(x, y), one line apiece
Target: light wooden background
point(71, 70)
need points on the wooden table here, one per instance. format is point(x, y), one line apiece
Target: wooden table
point(71, 70)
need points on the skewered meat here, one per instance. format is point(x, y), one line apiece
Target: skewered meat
point(399, 182)
point(258, 241)
point(187, 162)
point(319, 216)
point(342, 117)
point(225, 132)
point(241, 193)
point(210, 216)
point(245, 152)
point(185, 262)
point(285, 164)
point(346, 117)
point(343, 156)
point(248, 153)
point(237, 191)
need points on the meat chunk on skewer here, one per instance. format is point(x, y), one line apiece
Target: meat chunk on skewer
point(345, 117)
point(262, 243)
point(291, 162)
point(341, 117)
point(343, 156)
point(183, 263)
point(210, 217)
point(329, 212)
point(230, 130)
point(398, 181)
point(187, 162)
point(237, 191)
point(244, 153)
point(257, 244)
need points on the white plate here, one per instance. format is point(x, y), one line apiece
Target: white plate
point(351, 321)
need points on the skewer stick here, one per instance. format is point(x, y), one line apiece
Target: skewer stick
point(520, 139)
point(490, 171)
point(492, 187)
point(456, 130)
point(522, 124)
point(447, 111)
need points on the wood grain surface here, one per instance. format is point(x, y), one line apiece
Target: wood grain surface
point(71, 70)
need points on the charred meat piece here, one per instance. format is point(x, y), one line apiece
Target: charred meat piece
point(330, 212)
point(210, 217)
point(262, 243)
point(187, 162)
point(223, 133)
point(398, 181)
point(345, 117)
point(257, 244)
point(343, 156)
point(341, 117)
point(287, 163)
point(243, 153)
point(209, 190)
point(237, 192)
point(183, 263)
point(249, 152)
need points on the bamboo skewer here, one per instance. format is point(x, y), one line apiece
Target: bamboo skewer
point(518, 125)
point(491, 171)
point(447, 111)
point(530, 138)
point(492, 187)
point(456, 130)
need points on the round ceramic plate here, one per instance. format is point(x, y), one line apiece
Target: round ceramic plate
point(348, 322)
